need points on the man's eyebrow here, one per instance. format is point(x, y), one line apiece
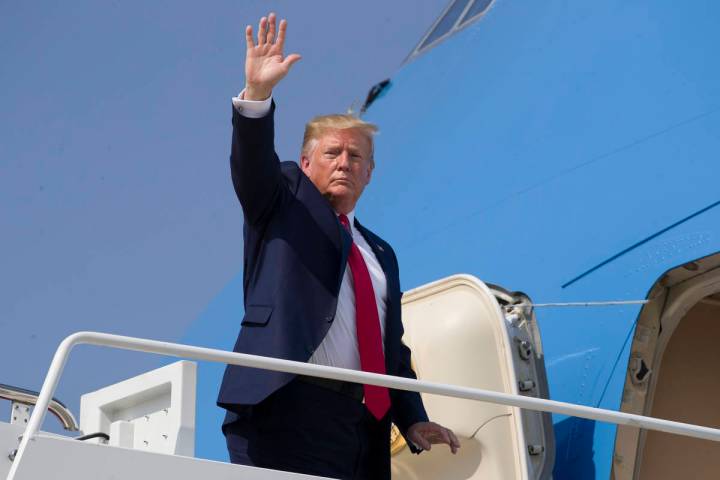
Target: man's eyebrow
point(333, 145)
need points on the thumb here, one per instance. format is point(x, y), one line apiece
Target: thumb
point(291, 59)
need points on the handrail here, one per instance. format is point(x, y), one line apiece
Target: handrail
point(29, 397)
point(301, 368)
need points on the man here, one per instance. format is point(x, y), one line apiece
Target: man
point(319, 287)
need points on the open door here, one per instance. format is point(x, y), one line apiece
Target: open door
point(672, 374)
point(464, 332)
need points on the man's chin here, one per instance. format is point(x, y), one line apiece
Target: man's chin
point(339, 198)
point(340, 192)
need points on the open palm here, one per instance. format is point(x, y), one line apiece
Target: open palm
point(265, 65)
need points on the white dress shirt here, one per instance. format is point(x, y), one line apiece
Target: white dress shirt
point(339, 348)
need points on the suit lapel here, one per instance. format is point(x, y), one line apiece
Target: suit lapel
point(377, 249)
point(324, 216)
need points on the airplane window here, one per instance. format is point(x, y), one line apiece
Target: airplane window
point(475, 10)
point(457, 15)
point(446, 23)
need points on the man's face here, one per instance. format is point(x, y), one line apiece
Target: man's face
point(340, 166)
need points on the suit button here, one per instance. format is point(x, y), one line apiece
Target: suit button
point(329, 318)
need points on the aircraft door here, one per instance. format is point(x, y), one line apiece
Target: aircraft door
point(464, 332)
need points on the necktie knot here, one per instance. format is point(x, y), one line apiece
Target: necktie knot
point(344, 221)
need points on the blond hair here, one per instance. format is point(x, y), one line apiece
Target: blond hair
point(319, 126)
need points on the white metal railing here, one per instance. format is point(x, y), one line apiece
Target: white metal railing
point(400, 383)
point(24, 396)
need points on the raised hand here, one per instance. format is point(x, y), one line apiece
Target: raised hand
point(264, 62)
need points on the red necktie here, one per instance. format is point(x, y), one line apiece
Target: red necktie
point(367, 322)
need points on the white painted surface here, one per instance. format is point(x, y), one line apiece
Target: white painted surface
point(122, 434)
point(67, 459)
point(8, 442)
point(154, 411)
point(456, 331)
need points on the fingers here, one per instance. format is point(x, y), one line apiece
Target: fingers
point(445, 437)
point(455, 442)
point(249, 37)
point(291, 59)
point(449, 437)
point(281, 34)
point(267, 28)
point(434, 433)
point(271, 30)
point(442, 435)
point(262, 31)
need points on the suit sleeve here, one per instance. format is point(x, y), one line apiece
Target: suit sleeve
point(407, 407)
point(255, 167)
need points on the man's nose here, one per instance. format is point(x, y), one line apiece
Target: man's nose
point(343, 161)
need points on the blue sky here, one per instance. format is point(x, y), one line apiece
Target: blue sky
point(116, 208)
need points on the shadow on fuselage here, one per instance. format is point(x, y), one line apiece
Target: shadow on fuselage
point(574, 454)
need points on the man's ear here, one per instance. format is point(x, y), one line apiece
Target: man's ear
point(304, 163)
point(369, 172)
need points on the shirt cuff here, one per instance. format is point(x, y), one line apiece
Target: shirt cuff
point(251, 108)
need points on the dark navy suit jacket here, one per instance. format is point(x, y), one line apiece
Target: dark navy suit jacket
point(294, 260)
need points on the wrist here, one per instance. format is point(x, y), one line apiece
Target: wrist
point(256, 93)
